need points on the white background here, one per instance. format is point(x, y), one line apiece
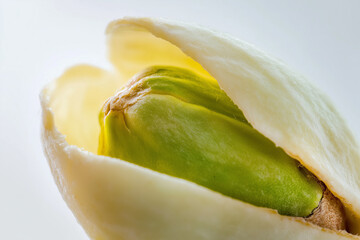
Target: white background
point(39, 39)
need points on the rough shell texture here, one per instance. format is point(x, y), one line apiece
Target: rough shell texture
point(113, 199)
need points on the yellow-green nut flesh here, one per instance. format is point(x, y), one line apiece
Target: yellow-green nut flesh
point(178, 123)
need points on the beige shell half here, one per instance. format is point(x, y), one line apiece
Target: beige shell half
point(113, 199)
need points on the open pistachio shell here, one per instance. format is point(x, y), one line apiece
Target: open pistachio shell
point(114, 199)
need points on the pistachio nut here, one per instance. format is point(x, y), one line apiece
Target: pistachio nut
point(116, 199)
point(173, 121)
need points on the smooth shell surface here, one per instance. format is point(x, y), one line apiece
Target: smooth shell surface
point(113, 199)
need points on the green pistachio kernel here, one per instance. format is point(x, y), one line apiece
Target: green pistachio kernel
point(176, 122)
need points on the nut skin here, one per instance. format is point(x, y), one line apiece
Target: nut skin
point(330, 213)
point(178, 123)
